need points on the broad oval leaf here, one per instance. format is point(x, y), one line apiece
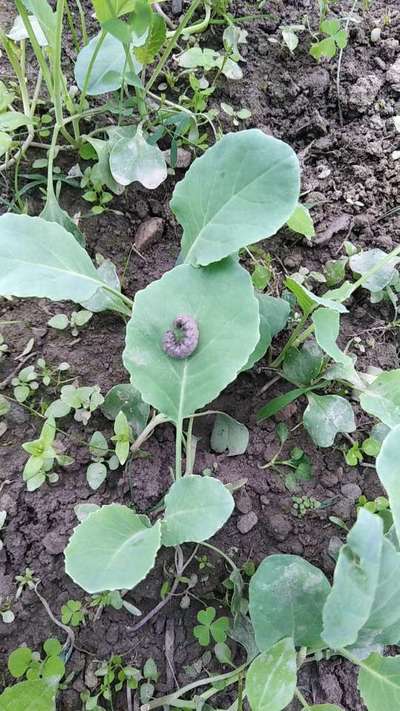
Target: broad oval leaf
point(303, 366)
point(388, 470)
point(112, 549)
point(271, 678)
point(228, 334)
point(32, 695)
point(240, 191)
point(363, 262)
point(327, 327)
point(325, 416)
point(40, 258)
point(126, 398)
point(19, 32)
point(229, 435)
point(133, 159)
point(109, 67)
point(355, 581)
point(379, 682)
point(286, 596)
point(382, 398)
point(196, 507)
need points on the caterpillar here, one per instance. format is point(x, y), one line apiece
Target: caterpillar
point(181, 340)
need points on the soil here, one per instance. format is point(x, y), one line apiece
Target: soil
point(352, 182)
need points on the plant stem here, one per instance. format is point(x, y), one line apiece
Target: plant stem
point(291, 341)
point(93, 58)
point(178, 449)
point(221, 553)
point(83, 22)
point(302, 700)
point(170, 698)
point(154, 422)
point(171, 44)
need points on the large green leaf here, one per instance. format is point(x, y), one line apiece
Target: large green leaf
point(109, 69)
point(286, 596)
point(240, 191)
point(40, 258)
point(355, 582)
point(303, 366)
point(388, 470)
point(133, 159)
point(221, 300)
point(196, 507)
point(28, 696)
point(382, 398)
point(106, 9)
point(379, 682)
point(325, 416)
point(112, 549)
point(271, 678)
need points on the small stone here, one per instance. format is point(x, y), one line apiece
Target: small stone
point(363, 93)
point(376, 34)
point(351, 491)
point(243, 502)
point(291, 261)
point(148, 232)
point(183, 158)
point(280, 526)
point(91, 680)
point(54, 543)
point(247, 522)
point(393, 73)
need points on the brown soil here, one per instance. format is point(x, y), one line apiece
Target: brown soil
point(347, 170)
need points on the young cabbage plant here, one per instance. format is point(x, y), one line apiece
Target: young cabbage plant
point(181, 349)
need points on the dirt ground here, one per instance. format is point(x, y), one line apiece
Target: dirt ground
point(352, 182)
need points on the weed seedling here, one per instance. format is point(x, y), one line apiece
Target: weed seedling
point(73, 613)
point(304, 504)
point(76, 321)
point(210, 628)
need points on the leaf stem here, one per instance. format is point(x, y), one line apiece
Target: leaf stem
point(221, 553)
point(302, 700)
point(169, 699)
point(178, 449)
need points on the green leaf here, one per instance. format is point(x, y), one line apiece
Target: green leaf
point(228, 334)
point(278, 403)
point(126, 398)
point(355, 581)
point(5, 142)
point(229, 435)
point(52, 212)
point(286, 597)
point(112, 549)
point(103, 300)
point(271, 678)
point(196, 508)
point(154, 41)
point(19, 661)
point(19, 32)
point(106, 9)
point(45, 16)
point(330, 27)
point(253, 190)
point(133, 159)
point(303, 366)
point(59, 321)
point(388, 470)
point(32, 695)
point(274, 314)
point(96, 474)
point(52, 647)
point(301, 222)
point(11, 120)
point(327, 327)
point(364, 261)
point(382, 398)
point(101, 170)
point(308, 301)
point(109, 67)
point(42, 259)
point(325, 416)
point(379, 682)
